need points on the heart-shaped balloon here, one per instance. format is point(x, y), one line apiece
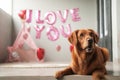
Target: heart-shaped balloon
point(40, 53)
point(58, 48)
point(22, 14)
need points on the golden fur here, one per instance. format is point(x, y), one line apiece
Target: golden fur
point(87, 57)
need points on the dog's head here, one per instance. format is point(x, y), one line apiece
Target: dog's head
point(84, 39)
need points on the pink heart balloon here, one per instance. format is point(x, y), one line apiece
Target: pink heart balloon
point(58, 48)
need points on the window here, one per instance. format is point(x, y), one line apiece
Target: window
point(105, 24)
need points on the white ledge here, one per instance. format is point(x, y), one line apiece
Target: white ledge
point(46, 71)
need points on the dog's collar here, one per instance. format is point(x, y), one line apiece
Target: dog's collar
point(71, 47)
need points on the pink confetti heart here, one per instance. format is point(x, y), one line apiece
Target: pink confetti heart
point(58, 48)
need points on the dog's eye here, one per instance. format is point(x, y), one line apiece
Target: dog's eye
point(91, 34)
point(81, 35)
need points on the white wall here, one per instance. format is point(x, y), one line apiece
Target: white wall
point(88, 20)
point(6, 5)
point(87, 12)
point(5, 27)
point(116, 30)
point(118, 22)
point(118, 25)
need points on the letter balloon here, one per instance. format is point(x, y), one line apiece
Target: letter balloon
point(75, 14)
point(68, 32)
point(38, 31)
point(63, 17)
point(38, 16)
point(52, 33)
point(28, 16)
point(50, 18)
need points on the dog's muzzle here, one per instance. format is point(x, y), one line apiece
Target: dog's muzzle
point(89, 48)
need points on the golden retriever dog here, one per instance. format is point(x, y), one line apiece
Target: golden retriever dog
point(87, 57)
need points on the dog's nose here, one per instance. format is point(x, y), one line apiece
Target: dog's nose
point(90, 40)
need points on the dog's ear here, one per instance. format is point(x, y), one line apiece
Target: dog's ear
point(95, 35)
point(73, 37)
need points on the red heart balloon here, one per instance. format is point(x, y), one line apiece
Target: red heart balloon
point(23, 11)
point(22, 14)
point(40, 53)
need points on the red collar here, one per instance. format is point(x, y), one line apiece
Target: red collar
point(71, 47)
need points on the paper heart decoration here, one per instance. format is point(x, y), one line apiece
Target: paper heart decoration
point(40, 53)
point(22, 14)
point(25, 36)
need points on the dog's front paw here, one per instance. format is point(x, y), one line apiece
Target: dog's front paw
point(59, 75)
